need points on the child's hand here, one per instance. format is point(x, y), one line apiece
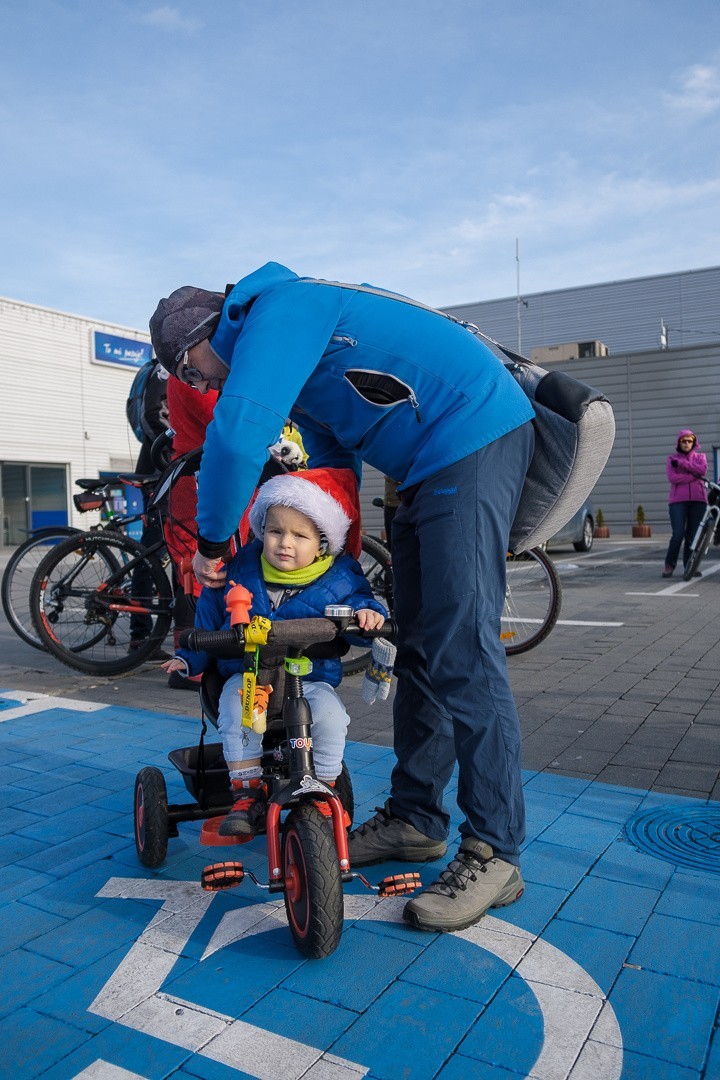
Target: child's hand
point(368, 619)
point(176, 664)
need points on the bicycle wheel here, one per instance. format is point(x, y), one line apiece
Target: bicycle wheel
point(702, 541)
point(17, 578)
point(377, 567)
point(532, 601)
point(313, 885)
point(82, 609)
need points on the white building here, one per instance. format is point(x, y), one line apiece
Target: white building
point(65, 379)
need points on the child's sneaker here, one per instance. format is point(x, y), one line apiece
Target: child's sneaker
point(247, 817)
point(324, 808)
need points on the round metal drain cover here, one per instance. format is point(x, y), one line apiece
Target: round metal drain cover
point(684, 835)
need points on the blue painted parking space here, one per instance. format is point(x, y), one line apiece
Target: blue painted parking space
point(608, 967)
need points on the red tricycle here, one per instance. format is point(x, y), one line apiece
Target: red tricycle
point(307, 852)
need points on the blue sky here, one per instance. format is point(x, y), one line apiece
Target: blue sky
point(403, 142)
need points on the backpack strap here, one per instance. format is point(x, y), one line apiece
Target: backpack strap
point(514, 357)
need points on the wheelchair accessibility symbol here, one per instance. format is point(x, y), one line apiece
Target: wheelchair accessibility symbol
point(571, 1004)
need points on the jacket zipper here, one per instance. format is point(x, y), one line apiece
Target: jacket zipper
point(410, 392)
point(343, 339)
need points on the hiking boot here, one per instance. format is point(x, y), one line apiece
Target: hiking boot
point(385, 837)
point(668, 571)
point(247, 817)
point(474, 881)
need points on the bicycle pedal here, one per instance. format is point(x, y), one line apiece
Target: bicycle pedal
point(399, 884)
point(222, 875)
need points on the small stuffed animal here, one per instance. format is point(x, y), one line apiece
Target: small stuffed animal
point(288, 453)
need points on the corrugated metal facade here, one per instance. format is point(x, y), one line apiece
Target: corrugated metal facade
point(625, 315)
point(58, 408)
point(654, 394)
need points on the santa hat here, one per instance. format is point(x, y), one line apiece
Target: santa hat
point(329, 497)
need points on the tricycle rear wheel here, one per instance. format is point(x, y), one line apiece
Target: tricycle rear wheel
point(152, 823)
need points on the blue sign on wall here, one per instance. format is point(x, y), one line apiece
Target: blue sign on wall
point(127, 352)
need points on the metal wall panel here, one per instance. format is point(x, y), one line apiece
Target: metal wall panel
point(57, 407)
point(654, 394)
point(625, 315)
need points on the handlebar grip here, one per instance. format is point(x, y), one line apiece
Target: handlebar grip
point(212, 641)
point(388, 629)
point(302, 632)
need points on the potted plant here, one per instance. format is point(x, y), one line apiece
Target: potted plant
point(601, 530)
point(640, 528)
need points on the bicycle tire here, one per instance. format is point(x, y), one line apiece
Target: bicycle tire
point(703, 540)
point(83, 615)
point(313, 884)
point(377, 567)
point(533, 596)
point(17, 578)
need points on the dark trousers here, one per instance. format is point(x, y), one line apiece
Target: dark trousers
point(453, 699)
point(684, 520)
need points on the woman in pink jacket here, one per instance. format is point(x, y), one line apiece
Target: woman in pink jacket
point(686, 467)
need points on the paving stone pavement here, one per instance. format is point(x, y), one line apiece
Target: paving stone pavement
point(609, 965)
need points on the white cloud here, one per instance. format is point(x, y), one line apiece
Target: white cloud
point(169, 18)
point(699, 90)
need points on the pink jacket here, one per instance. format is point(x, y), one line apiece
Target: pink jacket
point(685, 472)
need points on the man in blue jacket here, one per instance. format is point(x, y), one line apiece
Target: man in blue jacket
point(370, 376)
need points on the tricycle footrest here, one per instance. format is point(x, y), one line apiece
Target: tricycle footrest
point(222, 875)
point(399, 884)
point(210, 837)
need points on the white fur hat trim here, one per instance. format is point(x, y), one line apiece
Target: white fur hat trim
point(323, 510)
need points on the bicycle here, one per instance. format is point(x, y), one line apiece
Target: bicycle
point(25, 559)
point(95, 494)
point(708, 531)
point(84, 593)
point(308, 858)
point(533, 597)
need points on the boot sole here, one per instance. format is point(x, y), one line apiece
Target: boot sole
point(416, 855)
point(419, 923)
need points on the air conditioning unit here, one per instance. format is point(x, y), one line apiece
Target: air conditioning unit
point(571, 350)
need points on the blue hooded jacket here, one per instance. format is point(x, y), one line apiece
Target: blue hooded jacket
point(365, 377)
point(343, 583)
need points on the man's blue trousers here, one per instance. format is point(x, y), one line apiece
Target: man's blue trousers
point(453, 699)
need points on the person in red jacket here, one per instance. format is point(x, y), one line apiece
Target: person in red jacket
point(686, 467)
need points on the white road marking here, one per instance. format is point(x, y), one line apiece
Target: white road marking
point(566, 622)
point(35, 703)
point(570, 1000)
point(680, 586)
point(103, 1070)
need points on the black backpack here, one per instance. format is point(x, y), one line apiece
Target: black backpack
point(146, 406)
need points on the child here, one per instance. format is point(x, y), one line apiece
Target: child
point(293, 568)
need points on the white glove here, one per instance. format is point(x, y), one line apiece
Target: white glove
point(376, 684)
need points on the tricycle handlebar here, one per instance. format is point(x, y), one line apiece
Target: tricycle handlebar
point(291, 633)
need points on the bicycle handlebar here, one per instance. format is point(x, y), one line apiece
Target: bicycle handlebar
point(291, 633)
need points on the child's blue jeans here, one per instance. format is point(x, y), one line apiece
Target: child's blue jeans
point(329, 728)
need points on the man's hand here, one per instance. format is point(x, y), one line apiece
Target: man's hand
point(210, 572)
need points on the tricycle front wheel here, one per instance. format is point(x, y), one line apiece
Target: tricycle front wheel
point(313, 885)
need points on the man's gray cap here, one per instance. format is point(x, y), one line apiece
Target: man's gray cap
point(181, 320)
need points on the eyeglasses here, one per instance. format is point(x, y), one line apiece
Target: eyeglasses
point(192, 376)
